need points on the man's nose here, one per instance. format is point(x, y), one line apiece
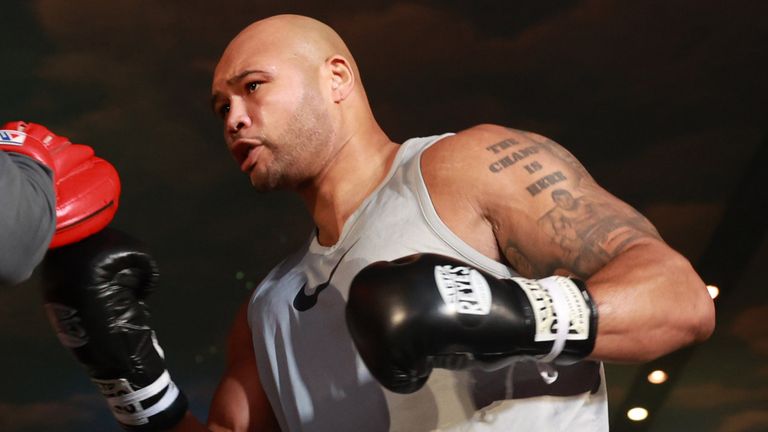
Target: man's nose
point(238, 117)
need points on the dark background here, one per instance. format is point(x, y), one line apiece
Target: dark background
point(663, 101)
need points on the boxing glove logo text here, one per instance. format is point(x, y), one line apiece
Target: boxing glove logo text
point(124, 407)
point(463, 289)
point(545, 313)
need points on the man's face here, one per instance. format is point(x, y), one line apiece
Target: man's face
point(275, 121)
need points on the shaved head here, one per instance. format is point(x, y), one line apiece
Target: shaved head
point(303, 39)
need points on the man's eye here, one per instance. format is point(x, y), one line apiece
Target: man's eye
point(224, 110)
point(252, 86)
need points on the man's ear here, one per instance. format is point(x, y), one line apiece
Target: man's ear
point(342, 77)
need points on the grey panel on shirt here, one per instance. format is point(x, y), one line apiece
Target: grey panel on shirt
point(27, 216)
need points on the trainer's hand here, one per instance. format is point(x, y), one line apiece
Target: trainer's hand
point(423, 311)
point(87, 187)
point(95, 293)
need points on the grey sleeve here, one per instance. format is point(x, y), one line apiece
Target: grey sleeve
point(27, 216)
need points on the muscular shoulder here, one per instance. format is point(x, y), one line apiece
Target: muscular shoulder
point(473, 142)
point(485, 156)
point(477, 173)
point(546, 212)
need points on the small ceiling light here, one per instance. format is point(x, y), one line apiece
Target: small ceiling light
point(657, 377)
point(637, 414)
point(713, 291)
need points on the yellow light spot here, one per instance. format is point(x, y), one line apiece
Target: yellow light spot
point(657, 377)
point(398, 316)
point(713, 291)
point(637, 414)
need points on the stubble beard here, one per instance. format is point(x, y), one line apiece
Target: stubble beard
point(299, 150)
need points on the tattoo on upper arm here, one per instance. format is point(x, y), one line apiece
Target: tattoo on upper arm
point(533, 167)
point(510, 151)
point(545, 182)
point(591, 231)
point(587, 228)
point(559, 152)
point(502, 145)
point(510, 157)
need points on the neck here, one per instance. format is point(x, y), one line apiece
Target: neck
point(353, 173)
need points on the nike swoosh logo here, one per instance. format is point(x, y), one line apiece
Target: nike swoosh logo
point(303, 301)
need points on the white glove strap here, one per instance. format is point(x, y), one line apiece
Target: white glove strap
point(125, 402)
point(560, 311)
point(554, 287)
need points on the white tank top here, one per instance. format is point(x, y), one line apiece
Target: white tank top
point(316, 381)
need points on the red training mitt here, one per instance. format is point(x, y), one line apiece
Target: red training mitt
point(87, 187)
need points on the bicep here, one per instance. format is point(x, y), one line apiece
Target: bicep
point(240, 403)
point(551, 217)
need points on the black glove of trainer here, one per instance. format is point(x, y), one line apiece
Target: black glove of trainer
point(95, 293)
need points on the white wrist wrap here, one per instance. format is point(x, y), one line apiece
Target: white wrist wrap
point(125, 402)
point(553, 285)
point(560, 311)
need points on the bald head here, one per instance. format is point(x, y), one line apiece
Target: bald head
point(296, 35)
point(304, 41)
point(291, 41)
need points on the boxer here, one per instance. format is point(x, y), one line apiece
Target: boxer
point(508, 204)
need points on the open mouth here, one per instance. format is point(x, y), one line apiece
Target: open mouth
point(246, 153)
point(251, 158)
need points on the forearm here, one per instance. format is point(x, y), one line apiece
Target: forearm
point(27, 216)
point(190, 424)
point(650, 302)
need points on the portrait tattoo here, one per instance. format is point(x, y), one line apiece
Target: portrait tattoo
point(591, 231)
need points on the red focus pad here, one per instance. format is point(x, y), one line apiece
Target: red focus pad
point(87, 197)
point(87, 187)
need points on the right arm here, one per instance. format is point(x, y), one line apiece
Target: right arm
point(27, 216)
point(239, 403)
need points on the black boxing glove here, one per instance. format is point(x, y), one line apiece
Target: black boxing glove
point(95, 293)
point(426, 310)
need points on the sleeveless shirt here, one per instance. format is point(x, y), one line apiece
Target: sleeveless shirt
point(316, 381)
